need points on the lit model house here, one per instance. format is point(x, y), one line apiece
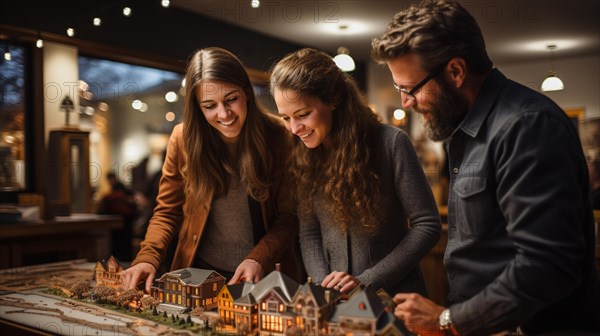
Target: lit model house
point(313, 305)
point(366, 313)
point(237, 306)
point(274, 295)
point(188, 288)
point(107, 273)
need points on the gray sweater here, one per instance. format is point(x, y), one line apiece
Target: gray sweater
point(390, 258)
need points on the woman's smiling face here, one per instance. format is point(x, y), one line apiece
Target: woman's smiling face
point(225, 108)
point(307, 117)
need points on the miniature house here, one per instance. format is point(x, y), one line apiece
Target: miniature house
point(313, 305)
point(274, 295)
point(365, 313)
point(237, 306)
point(107, 273)
point(277, 305)
point(189, 288)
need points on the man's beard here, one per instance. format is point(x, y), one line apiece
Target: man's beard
point(447, 113)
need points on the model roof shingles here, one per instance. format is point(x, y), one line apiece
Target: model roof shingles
point(276, 279)
point(192, 276)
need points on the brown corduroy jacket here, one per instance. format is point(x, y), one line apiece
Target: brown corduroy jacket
point(172, 216)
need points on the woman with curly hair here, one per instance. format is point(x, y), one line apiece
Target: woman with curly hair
point(360, 183)
point(225, 193)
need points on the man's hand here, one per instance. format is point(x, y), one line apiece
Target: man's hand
point(419, 314)
point(131, 276)
point(341, 281)
point(249, 271)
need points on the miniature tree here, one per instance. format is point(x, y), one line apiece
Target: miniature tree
point(189, 320)
point(147, 302)
point(81, 288)
point(130, 296)
point(165, 314)
point(154, 311)
point(103, 293)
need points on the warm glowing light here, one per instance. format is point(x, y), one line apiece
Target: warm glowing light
point(171, 97)
point(144, 107)
point(136, 104)
point(343, 60)
point(255, 3)
point(88, 95)
point(7, 56)
point(97, 21)
point(552, 83)
point(170, 116)
point(127, 11)
point(350, 28)
point(39, 43)
point(399, 114)
point(165, 3)
point(103, 106)
point(71, 32)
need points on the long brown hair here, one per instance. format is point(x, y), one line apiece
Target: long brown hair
point(209, 166)
point(343, 171)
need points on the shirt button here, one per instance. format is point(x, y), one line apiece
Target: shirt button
point(195, 237)
point(455, 170)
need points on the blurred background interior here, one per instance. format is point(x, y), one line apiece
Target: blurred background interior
point(90, 91)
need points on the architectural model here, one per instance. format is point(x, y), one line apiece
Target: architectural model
point(277, 305)
point(189, 288)
point(107, 273)
point(196, 300)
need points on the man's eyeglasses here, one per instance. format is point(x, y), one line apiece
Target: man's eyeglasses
point(410, 94)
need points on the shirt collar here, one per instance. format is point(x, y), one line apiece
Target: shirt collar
point(483, 103)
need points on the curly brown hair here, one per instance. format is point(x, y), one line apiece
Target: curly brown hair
point(343, 170)
point(436, 30)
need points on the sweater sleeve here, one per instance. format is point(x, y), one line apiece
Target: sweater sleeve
point(416, 198)
point(313, 254)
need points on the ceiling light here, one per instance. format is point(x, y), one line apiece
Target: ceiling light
point(97, 21)
point(552, 82)
point(170, 116)
point(343, 60)
point(7, 55)
point(127, 11)
point(39, 43)
point(165, 3)
point(255, 3)
point(136, 104)
point(399, 114)
point(171, 97)
point(70, 32)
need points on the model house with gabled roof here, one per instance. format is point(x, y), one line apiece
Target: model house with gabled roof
point(274, 295)
point(277, 305)
point(188, 288)
point(108, 273)
point(365, 313)
point(313, 305)
point(237, 306)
